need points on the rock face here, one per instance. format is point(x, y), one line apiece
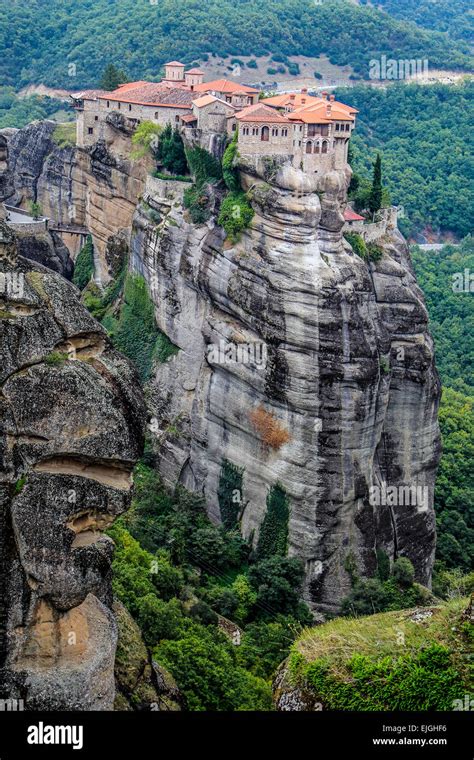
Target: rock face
point(343, 404)
point(96, 188)
point(71, 418)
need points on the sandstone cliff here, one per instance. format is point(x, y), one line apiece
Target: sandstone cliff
point(71, 427)
point(97, 188)
point(349, 382)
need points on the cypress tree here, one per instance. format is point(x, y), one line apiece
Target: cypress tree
point(112, 77)
point(375, 197)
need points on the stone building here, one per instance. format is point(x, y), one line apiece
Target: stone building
point(313, 132)
point(167, 102)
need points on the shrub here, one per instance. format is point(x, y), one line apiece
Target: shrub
point(252, 64)
point(55, 358)
point(203, 165)
point(172, 177)
point(64, 135)
point(374, 252)
point(229, 493)
point(270, 430)
point(197, 203)
point(318, 75)
point(357, 244)
point(145, 139)
point(403, 572)
point(171, 152)
point(203, 613)
point(229, 172)
point(84, 267)
point(158, 619)
point(277, 581)
point(273, 537)
point(236, 214)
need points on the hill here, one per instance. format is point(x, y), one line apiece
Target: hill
point(67, 42)
point(425, 141)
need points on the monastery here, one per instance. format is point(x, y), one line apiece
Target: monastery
point(313, 132)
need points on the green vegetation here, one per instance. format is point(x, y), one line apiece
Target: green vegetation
point(387, 661)
point(441, 16)
point(366, 251)
point(35, 210)
point(18, 111)
point(235, 215)
point(452, 324)
point(170, 152)
point(393, 590)
point(84, 267)
point(230, 173)
point(229, 493)
point(112, 77)
point(273, 537)
point(206, 171)
point(145, 139)
point(175, 177)
point(375, 197)
point(423, 136)
point(145, 35)
point(64, 135)
point(55, 358)
point(136, 333)
point(174, 571)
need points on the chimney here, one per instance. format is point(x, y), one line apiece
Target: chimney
point(328, 110)
point(304, 90)
point(324, 95)
point(292, 96)
point(332, 98)
point(303, 101)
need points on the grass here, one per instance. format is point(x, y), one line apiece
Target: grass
point(376, 635)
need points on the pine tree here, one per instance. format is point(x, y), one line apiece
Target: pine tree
point(375, 197)
point(112, 77)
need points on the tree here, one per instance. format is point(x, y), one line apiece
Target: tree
point(145, 139)
point(375, 197)
point(273, 536)
point(171, 152)
point(84, 267)
point(112, 77)
point(35, 210)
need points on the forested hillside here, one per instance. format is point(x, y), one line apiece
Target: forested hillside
point(66, 42)
point(457, 19)
point(424, 136)
point(452, 324)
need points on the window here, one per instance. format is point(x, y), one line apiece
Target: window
point(274, 132)
point(249, 101)
point(108, 104)
point(338, 126)
point(129, 106)
point(255, 130)
point(228, 99)
point(234, 127)
point(309, 146)
point(118, 106)
point(324, 148)
point(284, 133)
point(348, 126)
point(96, 118)
point(324, 130)
point(316, 148)
point(90, 131)
point(265, 134)
point(156, 114)
point(176, 118)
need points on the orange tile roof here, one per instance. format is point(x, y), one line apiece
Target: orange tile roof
point(87, 94)
point(204, 100)
point(309, 118)
point(224, 85)
point(131, 85)
point(189, 117)
point(194, 71)
point(280, 101)
point(260, 112)
point(175, 63)
point(337, 113)
point(152, 94)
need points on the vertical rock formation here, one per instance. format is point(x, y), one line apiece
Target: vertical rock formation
point(346, 402)
point(71, 419)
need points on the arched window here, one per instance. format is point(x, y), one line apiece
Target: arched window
point(316, 148)
point(265, 134)
point(309, 146)
point(324, 148)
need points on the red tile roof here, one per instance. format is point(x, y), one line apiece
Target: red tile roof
point(175, 63)
point(351, 216)
point(224, 85)
point(194, 71)
point(152, 94)
point(260, 112)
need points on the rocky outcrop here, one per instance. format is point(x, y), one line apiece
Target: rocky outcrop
point(47, 249)
point(96, 188)
point(72, 415)
point(345, 402)
point(142, 684)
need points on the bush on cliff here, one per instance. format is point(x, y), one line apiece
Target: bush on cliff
point(235, 215)
point(84, 266)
